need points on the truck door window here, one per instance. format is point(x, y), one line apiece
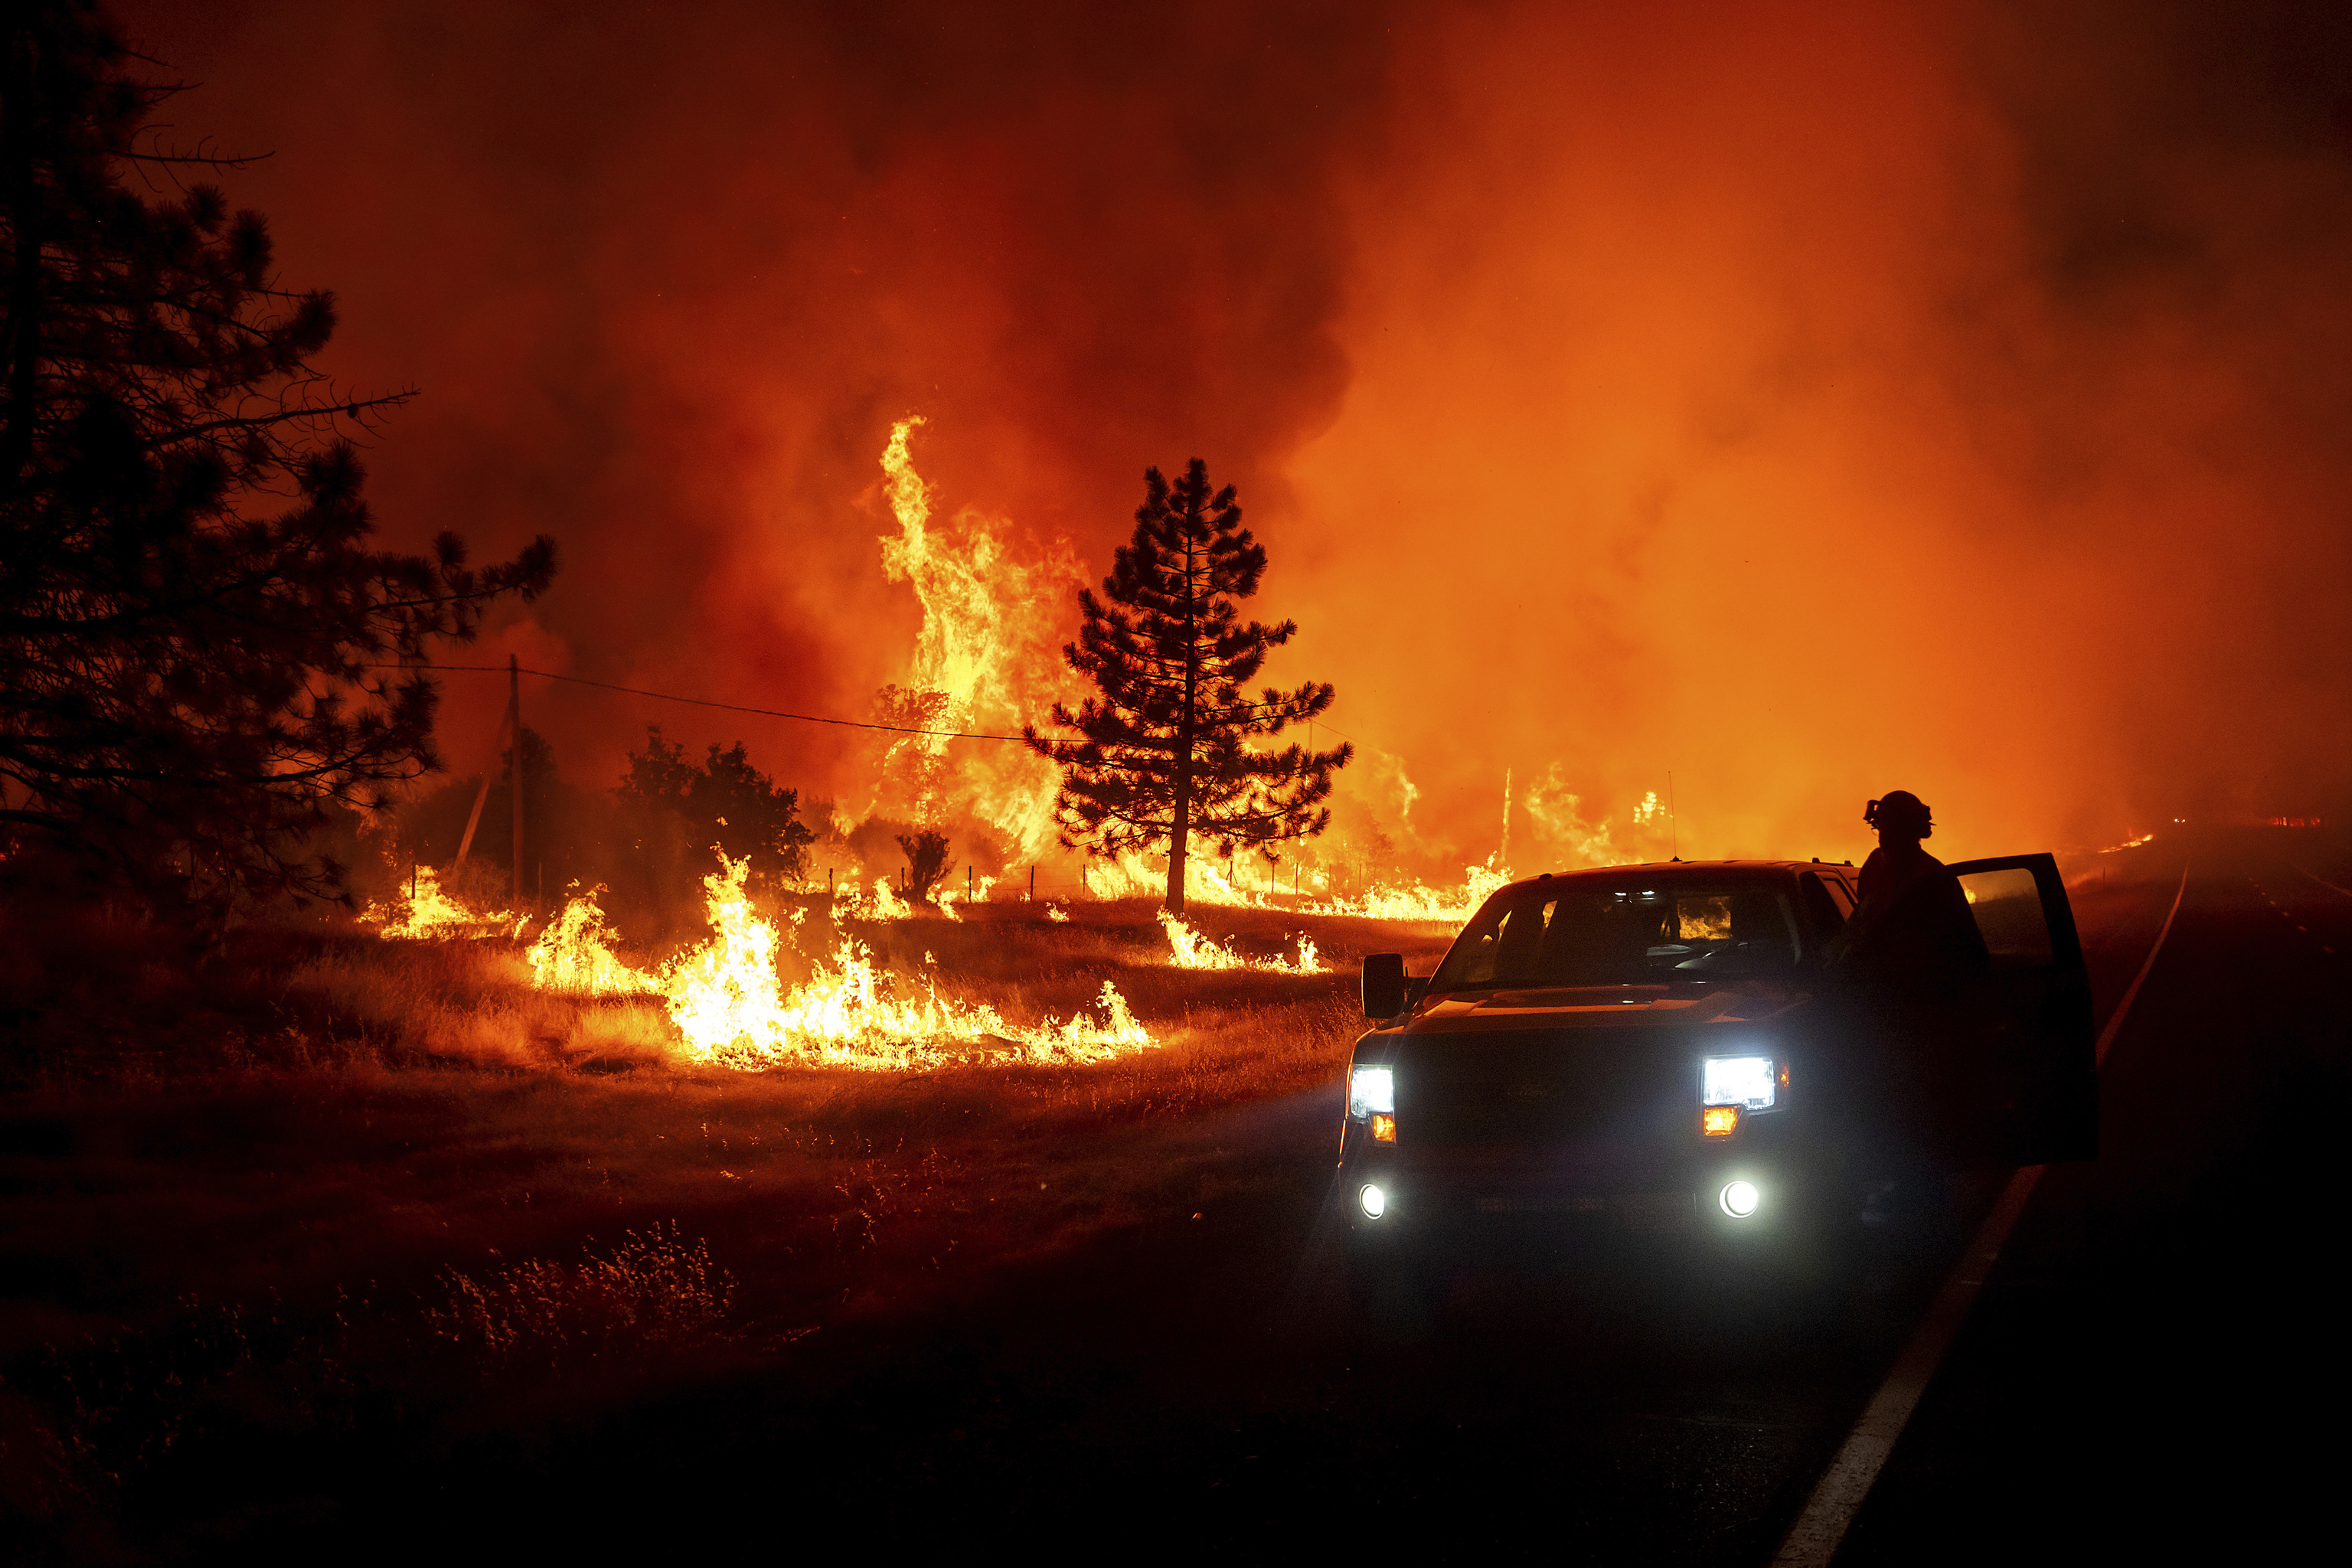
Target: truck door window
point(2008, 908)
point(1840, 893)
point(1822, 903)
point(1519, 939)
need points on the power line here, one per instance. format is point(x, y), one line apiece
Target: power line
point(701, 701)
point(738, 707)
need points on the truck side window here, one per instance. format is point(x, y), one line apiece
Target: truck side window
point(1823, 906)
point(2007, 905)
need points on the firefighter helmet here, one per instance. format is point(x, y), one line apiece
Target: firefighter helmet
point(1902, 812)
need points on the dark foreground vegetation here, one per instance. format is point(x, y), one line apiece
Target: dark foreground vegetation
point(326, 1210)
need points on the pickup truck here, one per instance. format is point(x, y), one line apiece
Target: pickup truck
point(1669, 1051)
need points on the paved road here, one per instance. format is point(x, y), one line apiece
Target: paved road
point(2154, 1367)
point(2129, 1372)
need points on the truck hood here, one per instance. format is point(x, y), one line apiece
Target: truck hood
point(1602, 1008)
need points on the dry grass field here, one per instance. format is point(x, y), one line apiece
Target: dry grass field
point(341, 1195)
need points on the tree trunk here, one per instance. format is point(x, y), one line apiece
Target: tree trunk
point(1181, 828)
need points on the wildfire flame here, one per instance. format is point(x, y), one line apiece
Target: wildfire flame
point(884, 904)
point(985, 646)
point(429, 912)
point(726, 1000)
point(1193, 951)
point(732, 1008)
point(948, 899)
point(1419, 902)
point(1129, 876)
point(574, 954)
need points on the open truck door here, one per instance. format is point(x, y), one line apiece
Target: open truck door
point(2027, 1088)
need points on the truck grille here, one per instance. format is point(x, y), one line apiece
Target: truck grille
point(1535, 1089)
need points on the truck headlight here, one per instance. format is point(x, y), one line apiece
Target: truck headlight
point(1370, 1089)
point(1744, 1081)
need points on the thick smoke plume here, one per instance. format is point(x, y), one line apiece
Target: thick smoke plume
point(1804, 401)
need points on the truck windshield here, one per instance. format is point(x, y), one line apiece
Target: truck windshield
point(1619, 933)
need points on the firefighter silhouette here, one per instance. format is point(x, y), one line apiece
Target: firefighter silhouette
point(1912, 941)
point(1909, 957)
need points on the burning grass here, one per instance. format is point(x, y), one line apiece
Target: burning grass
point(731, 1003)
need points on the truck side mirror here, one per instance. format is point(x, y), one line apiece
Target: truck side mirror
point(1385, 993)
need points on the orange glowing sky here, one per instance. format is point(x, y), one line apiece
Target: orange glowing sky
point(1808, 400)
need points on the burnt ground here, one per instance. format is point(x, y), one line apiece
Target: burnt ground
point(1182, 1374)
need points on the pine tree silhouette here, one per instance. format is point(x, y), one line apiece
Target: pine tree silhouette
point(190, 611)
point(1164, 756)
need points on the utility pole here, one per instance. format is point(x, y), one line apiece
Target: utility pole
point(490, 774)
point(514, 772)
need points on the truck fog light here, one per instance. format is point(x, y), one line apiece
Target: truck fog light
point(1375, 1201)
point(1738, 1199)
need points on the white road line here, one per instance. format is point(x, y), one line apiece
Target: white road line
point(2326, 883)
point(2116, 1018)
point(1812, 1542)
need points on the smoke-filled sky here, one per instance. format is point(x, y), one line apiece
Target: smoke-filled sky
point(1807, 400)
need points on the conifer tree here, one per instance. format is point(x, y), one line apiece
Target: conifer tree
point(191, 617)
point(1164, 756)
